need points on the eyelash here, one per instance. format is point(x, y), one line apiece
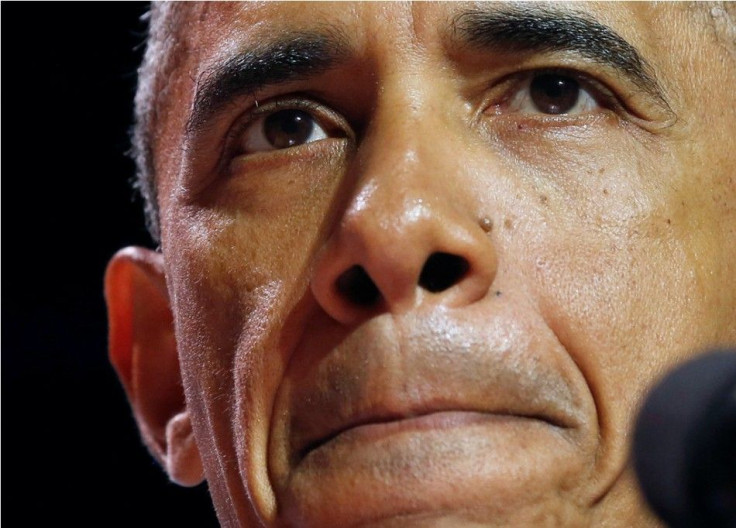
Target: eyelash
point(310, 106)
point(604, 96)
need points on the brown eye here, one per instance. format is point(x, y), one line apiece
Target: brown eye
point(288, 128)
point(281, 130)
point(554, 94)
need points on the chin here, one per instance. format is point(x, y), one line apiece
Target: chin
point(475, 471)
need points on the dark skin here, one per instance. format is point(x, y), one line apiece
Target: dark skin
point(427, 280)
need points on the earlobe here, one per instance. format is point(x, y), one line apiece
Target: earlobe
point(183, 463)
point(143, 351)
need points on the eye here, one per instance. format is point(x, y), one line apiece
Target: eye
point(281, 130)
point(552, 94)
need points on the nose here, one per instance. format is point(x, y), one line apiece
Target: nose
point(409, 235)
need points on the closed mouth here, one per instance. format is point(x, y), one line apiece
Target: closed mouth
point(380, 426)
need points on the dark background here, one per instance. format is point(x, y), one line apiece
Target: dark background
point(70, 452)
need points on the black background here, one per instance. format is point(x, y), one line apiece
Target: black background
point(70, 452)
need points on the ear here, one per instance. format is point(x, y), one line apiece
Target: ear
point(143, 352)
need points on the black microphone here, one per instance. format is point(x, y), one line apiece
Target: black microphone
point(685, 443)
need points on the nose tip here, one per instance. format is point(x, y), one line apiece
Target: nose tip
point(367, 267)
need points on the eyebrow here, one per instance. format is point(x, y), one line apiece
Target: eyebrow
point(290, 58)
point(511, 29)
point(543, 29)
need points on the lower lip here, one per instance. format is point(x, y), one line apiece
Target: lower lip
point(436, 421)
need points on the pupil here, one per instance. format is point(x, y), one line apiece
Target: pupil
point(554, 94)
point(288, 128)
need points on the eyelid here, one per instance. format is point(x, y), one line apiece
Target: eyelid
point(259, 111)
point(599, 91)
point(331, 121)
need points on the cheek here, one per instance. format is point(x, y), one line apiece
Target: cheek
point(623, 309)
point(251, 233)
point(234, 281)
point(626, 311)
point(226, 312)
point(599, 240)
point(593, 227)
point(238, 278)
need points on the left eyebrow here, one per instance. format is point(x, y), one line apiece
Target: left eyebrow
point(288, 58)
point(536, 28)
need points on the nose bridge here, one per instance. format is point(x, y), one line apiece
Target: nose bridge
point(408, 233)
point(404, 165)
point(403, 134)
point(395, 193)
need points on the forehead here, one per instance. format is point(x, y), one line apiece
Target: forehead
point(259, 16)
point(219, 25)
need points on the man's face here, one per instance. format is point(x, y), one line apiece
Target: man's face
point(424, 260)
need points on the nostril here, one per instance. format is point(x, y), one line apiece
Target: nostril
point(441, 271)
point(357, 286)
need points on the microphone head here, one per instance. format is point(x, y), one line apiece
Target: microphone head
point(684, 445)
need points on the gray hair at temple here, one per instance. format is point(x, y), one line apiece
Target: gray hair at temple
point(163, 19)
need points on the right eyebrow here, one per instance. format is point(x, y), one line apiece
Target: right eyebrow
point(290, 58)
